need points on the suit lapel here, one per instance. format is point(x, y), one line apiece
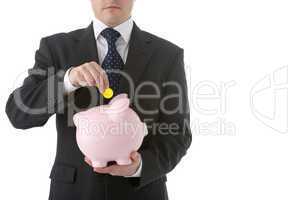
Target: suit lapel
point(87, 48)
point(139, 53)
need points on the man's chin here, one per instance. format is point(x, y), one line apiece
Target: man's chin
point(112, 11)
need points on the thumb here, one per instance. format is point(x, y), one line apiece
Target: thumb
point(134, 155)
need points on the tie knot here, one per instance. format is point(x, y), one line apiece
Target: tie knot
point(110, 34)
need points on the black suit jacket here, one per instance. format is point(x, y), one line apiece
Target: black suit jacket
point(150, 60)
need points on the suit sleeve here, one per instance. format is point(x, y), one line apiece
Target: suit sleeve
point(41, 94)
point(164, 149)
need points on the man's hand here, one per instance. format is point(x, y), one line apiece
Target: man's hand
point(89, 74)
point(120, 170)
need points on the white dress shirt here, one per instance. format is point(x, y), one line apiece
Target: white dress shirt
point(122, 45)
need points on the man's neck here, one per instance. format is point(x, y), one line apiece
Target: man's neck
point(113, 24)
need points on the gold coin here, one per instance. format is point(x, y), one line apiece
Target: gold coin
point(108, 93)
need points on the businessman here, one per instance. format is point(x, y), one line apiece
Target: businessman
point(70, 73)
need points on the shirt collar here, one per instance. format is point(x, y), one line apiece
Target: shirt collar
point(124, 29)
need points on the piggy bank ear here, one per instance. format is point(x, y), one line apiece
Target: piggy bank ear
point(75, 119)
point(118, 97)
point(119, 104)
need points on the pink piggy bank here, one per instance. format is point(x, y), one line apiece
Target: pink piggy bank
point(109, 132)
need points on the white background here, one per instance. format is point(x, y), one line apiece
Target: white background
point(237, 41)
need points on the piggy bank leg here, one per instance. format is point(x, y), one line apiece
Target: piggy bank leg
point(124, 161)
point(99, 163)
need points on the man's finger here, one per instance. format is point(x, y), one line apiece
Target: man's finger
point(116, 170)
point(88, 76)
point(135, 156)
point(96, 75)
point(103, 76)
point(81, 80)
point(104, 170)
point(100, 84)
point(88, 161)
